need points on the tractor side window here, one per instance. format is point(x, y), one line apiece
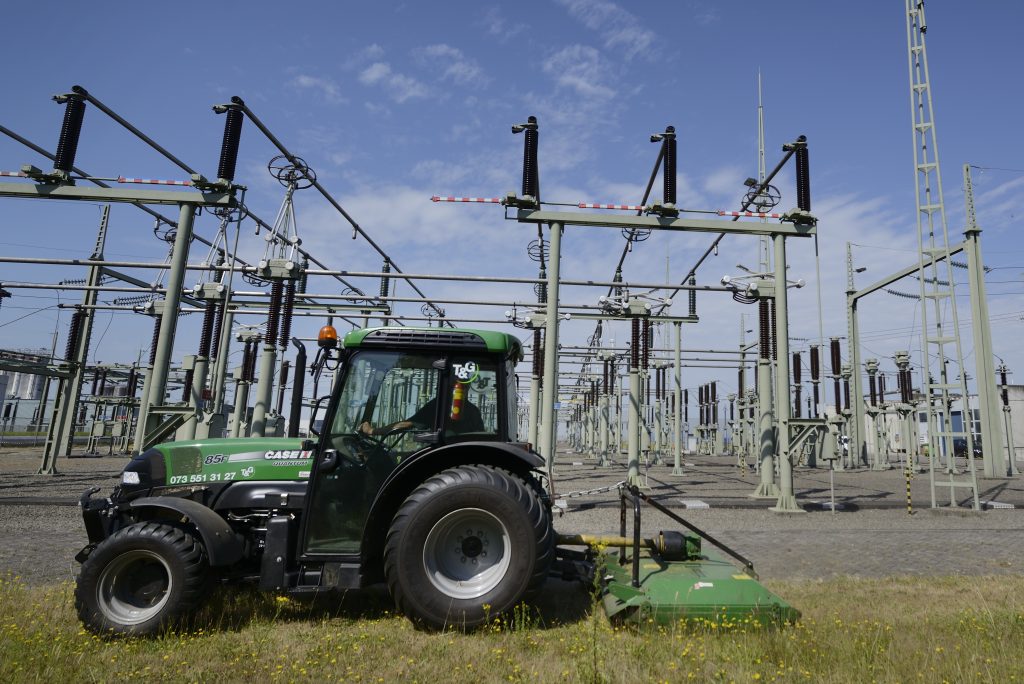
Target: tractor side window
point(472, 407)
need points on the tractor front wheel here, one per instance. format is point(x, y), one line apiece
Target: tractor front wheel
point(141, 579)
point(468, 544)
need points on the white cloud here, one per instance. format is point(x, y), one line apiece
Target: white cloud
point(452, 64)
point(580, 68)
point(370, 53)
point(495, 24)
point(398, 86)
point(326, 87)
point(619, 28)
point(725, 182)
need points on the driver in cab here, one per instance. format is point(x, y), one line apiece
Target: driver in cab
point(465, 417)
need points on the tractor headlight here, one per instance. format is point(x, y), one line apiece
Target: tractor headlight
point(130, 477)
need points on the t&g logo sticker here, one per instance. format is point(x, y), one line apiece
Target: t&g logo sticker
point(465, 372)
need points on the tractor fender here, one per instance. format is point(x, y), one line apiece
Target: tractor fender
point(501, 454)
point(420, 466)
point(223, 546)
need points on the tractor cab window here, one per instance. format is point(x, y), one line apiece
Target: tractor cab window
point(472, 411)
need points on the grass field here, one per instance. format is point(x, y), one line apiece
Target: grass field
point(903, 629)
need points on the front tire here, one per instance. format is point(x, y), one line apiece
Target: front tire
point(468, 544)
point(140, 580)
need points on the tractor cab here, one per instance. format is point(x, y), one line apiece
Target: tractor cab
point(393, 405)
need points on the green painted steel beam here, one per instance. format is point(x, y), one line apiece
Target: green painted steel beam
point(903, 273)
point(96, 194)
point(625, 317)
point(31, 368)
point(124, 277)
point(672, 224)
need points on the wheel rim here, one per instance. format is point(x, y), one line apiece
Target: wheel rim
point(134, 587)
point(467, 553)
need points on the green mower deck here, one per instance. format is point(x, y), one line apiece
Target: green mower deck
point(699, 592)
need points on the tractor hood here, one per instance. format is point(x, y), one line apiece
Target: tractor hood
point(216, 462)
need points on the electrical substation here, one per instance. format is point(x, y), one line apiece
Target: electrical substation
point(606, 377)
point(627, 405)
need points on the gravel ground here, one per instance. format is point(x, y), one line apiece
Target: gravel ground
point(41, 528)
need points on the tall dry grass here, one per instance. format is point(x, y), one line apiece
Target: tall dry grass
point(902, 629)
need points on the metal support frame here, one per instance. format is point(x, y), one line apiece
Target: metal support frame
point(786, 502)
point(60, 434)
point(994, 462)
point(677, 426)
point(549, 429)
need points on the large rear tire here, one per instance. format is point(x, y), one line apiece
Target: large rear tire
point(468, 544)
point(140, 580)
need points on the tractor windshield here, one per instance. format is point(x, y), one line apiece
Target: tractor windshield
point(382, 390)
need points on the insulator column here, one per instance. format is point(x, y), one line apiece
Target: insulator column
point(206, 333)
point(229, 144)
point(132, 382)
point(74, 330)
point(70, 130)
point(797, 387)
point(217, 322)
point(531, 177)
point(646, 362)
point(286, 315)
point(186, 389)
point(385, 281)
point(274, 313)
point(700, 405)
point(803, 175)
point(157, 322)
point(693, 296)
point(249, 359)
point(836, 362)
point(815, 379)
point(764, 347)
point(669, 167)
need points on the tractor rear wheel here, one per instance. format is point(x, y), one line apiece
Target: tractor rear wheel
point(467, 545)
point(141, 579)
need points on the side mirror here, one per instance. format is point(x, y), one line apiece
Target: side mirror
point(313, 414)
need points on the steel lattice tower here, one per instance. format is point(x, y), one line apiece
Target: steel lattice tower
point(940, 328)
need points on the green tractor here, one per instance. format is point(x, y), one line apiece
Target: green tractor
point(414, 478)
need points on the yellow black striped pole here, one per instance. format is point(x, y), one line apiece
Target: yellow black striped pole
point(909, 474)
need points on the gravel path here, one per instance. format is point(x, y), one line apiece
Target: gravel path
point(41, 528)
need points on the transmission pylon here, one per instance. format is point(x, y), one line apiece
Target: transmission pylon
point(940, 328)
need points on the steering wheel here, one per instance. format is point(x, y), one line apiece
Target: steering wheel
point(368, 442)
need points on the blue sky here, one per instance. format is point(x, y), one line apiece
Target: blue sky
point(393, 102)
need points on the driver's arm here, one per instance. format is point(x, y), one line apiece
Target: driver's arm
point(368, 429)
